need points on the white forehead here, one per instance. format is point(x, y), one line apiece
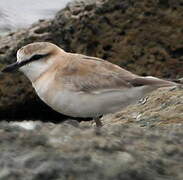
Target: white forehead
point(34, 48)
point(21, 56)
point(27, 52)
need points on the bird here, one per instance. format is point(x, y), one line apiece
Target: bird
point(78, 85)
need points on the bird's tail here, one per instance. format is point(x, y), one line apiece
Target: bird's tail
point(153, 81)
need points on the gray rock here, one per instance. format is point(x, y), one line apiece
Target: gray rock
point(119, 151)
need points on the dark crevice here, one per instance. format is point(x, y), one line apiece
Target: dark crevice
point(122, 33)
point(163, 4)
point(34, 109)
point(92, 46)
point(107, 47)
point(107, 21)
point(105, 56)
point(176, 53)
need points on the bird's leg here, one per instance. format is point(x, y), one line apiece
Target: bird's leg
point(98, 122)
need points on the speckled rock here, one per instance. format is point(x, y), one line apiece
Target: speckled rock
point(160, 108)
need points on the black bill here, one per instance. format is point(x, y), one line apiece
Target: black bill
point(17, 65)
point(12, 67)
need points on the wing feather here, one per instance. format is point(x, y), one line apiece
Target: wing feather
point(90, 74)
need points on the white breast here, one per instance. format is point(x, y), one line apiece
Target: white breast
point(81, 104)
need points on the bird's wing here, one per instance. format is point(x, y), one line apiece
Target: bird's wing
point(91, 74)
point(94, 75)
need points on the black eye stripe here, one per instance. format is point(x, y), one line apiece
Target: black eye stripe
point(37, 56)
point(33, 58)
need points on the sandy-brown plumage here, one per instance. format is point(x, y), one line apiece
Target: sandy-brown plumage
point(90, 74)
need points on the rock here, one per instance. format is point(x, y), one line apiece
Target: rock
point(162, 107)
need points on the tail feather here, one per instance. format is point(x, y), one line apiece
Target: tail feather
point(153, 81)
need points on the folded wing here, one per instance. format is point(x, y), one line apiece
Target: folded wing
point(93, 75)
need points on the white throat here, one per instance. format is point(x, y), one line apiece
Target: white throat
point(34, 69)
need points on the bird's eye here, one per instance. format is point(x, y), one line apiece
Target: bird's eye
point(37, 56)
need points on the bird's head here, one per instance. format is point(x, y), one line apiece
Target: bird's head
point(34, 59)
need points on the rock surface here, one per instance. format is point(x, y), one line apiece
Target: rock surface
point(142, 142)
point(145, 37)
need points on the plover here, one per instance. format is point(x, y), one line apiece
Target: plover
point(81, 86)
